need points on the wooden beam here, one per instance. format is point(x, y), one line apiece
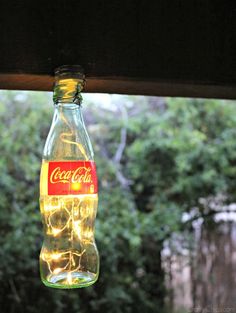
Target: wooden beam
point(161, 47)
point(121, 85)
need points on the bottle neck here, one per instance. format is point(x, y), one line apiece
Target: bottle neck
point(67, 92)
point(69, 113)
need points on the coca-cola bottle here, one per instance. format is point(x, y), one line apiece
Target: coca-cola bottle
point(68, 190)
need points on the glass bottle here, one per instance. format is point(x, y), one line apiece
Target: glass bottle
point(68, 190)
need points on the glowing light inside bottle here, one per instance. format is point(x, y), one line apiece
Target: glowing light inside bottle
point(69, 218)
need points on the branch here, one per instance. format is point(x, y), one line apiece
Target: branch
point(120, 150)
point(189, 222)
point(123, 135)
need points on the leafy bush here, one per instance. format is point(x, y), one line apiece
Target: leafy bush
point(155, 160)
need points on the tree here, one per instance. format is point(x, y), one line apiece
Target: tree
point(156, 159)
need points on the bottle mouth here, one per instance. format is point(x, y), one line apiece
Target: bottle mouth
point(69, 71)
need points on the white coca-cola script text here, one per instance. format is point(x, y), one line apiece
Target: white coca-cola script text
point(80, 175)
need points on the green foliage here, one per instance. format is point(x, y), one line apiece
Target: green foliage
point(177, 152)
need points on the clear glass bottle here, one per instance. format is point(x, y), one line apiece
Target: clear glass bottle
point(68, 190)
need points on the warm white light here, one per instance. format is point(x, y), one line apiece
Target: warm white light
point(57, 270)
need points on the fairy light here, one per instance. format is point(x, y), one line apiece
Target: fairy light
point(71, 265)
point(75, 213)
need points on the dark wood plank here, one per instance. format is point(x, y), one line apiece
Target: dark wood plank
point(121, 85)
point(142, 47)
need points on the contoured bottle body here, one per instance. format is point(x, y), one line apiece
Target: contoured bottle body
point(68, 202)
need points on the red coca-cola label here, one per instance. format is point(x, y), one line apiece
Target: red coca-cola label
point(72, 178)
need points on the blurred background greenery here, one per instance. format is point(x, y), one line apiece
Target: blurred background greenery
point(165, 226)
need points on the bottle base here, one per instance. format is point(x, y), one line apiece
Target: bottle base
point(70, 280)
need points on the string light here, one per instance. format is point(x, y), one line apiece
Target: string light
point(70, 217)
